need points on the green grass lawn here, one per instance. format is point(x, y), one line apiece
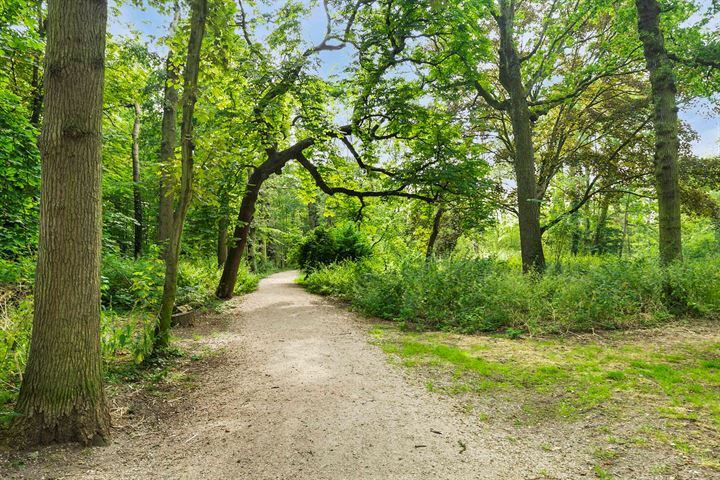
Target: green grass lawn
point(669, 376)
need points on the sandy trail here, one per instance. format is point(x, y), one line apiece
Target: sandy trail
point(300, 393)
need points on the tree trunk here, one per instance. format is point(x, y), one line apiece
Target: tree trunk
point(62, 397)
point(192, 69)
point(665, 117)
point(137, 199)
point(273, 164)
point(226, 286)
point(167, 145)
point(434, 232)
point(533, 257)
point(599, 241)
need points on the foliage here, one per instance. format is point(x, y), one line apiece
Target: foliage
point(324, 245)
point(131, 284)
point(15, 326)
point(486, 295)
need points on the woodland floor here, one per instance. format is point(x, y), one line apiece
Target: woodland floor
point(284, 384)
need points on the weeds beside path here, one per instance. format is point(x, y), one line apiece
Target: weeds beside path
point(284, 384)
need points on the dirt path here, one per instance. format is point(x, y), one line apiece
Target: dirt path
point(300, 393)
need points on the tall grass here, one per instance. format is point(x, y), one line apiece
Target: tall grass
point(487, 295)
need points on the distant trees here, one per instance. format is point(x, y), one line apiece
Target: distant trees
point(62, 397)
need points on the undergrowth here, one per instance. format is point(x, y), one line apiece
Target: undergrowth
point(487, 295)
point(131, 292)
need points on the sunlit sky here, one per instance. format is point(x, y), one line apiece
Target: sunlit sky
point(702, 115)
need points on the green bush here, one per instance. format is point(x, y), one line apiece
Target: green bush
point(19, 272)
point(15, 327)
point(486, 295)
point(198, 279)
point(129, 284)
point(136, 284)
point(325, 246)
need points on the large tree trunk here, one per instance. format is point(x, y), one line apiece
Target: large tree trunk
point(434, 232)
point(273, 164)
point(192, 69)
point(167, 145)
point(62, 398)
point(665, 110)
point(226, 287)
point(533, 257)
point(137, 199)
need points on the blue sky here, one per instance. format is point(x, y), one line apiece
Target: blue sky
point(700, 115)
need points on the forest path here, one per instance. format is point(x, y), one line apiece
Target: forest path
point(300, 393)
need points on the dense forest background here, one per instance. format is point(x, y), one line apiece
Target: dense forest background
point(470, 166)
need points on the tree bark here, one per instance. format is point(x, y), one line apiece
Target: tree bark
point(273, 164)
point(533, 257)
point(61, 397)
point(192, 69)
point(226, 287)
point(168, 141)
point(665, 115)
point(434, 232)
point(137, 199)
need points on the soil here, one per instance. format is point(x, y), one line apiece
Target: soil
point(287, 385)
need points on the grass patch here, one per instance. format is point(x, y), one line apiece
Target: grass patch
point(545, 380)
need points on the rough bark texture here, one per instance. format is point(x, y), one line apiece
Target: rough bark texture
point(137, 199)
point(242, 228)
point(192, 69)
point(665, 118)
point(434, 232)
point(533, 257)
point(62, 398)
point(167, 145)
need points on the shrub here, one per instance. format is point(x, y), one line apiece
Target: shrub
point(325, 246)
point(486, 295)
point(15, 327)
point(129, 284)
